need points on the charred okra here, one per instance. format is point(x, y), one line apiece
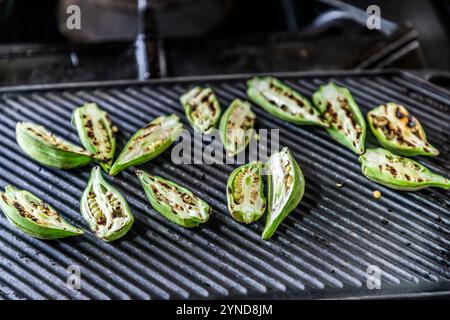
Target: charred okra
point(173, 201)
point(398, 131)
point(45, 148)
point(148, 142)
point(286, 186)
point(347, 124)
point(245, 193)
point(96, 133)
point(33, 216)
point(236, 127)
point(202, 109)
point(283, 102)
point(397, 172)
point(105, 210)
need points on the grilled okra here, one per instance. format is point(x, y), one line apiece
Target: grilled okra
point(397, 172)
point(202, 109)
point(286, 186)
point(283, 102)
point(236, 127)
point(173, 201)
point(398, 131)
point(96, 133)
point(347, 124)
point(245, 193)
point(148, 142)
point(33, 216)
point(45, 148)
point(105, 210)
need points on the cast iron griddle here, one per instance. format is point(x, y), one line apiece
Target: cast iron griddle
point(322, 250)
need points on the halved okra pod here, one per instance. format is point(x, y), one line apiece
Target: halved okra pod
point(283, 102)
point(202, 109)
point(148, 142)
point(245, 193)
point(236, 126)
point(398, 131)
point(286, 186)
point(347, 124)
point(105, 209)
point(33, 216)
point(173, 201)
point(397, 172)
point(96, 133)
point(47, 149)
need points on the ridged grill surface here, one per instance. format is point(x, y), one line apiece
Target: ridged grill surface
point(321, 250)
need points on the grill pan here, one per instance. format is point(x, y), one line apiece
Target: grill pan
point(322, 250)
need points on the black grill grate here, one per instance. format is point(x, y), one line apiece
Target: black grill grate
point(321, 250)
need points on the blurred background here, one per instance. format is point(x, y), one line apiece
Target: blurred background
point(132, 39)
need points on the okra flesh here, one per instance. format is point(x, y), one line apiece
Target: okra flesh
point(48, 149)
point(245, 193)
point(236, 127)
point(105, 209)
point(33, 216)
point(283, 102)
point(398, 131)
point(397, 172)
point(173, 201)
point(347, 124)
point(96, 133)
point(202, 109)
point(148, 142)
point(286, 186)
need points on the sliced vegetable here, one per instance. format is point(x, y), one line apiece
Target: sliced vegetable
point(283, 102)
point(173, 201)
point(202, 109)
point(49, 150)
point(148, 142)
point(347, 124)
point(245, 193)
point(33, 216)
point(398, 131)
point(397, 172)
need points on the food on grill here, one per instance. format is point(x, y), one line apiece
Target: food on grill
point(283, 102)
point(398, 131)
point(236, 127)
point(377, 194)
point(105, 210)
point(148, 142)
point(49, 150)
point(347, 124)
point(286, 186)
point(397, 172)
point(202, 109)
point(173, 201)
point(96, 133)
point(245, 193)
point(33, 216)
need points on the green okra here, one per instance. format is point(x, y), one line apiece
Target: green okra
point(47, 149)
point(340, 110)
point(173, 201)
point(105, 209)
point(202, 109)
point(148, 142)
point(396, 172)
point(283, 102)
point(398, 131)
point(33, 216)
point(96, 133)
point(286, 186)
point(245, 193)
point(236, 127)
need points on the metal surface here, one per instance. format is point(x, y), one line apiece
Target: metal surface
point(322, 250)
